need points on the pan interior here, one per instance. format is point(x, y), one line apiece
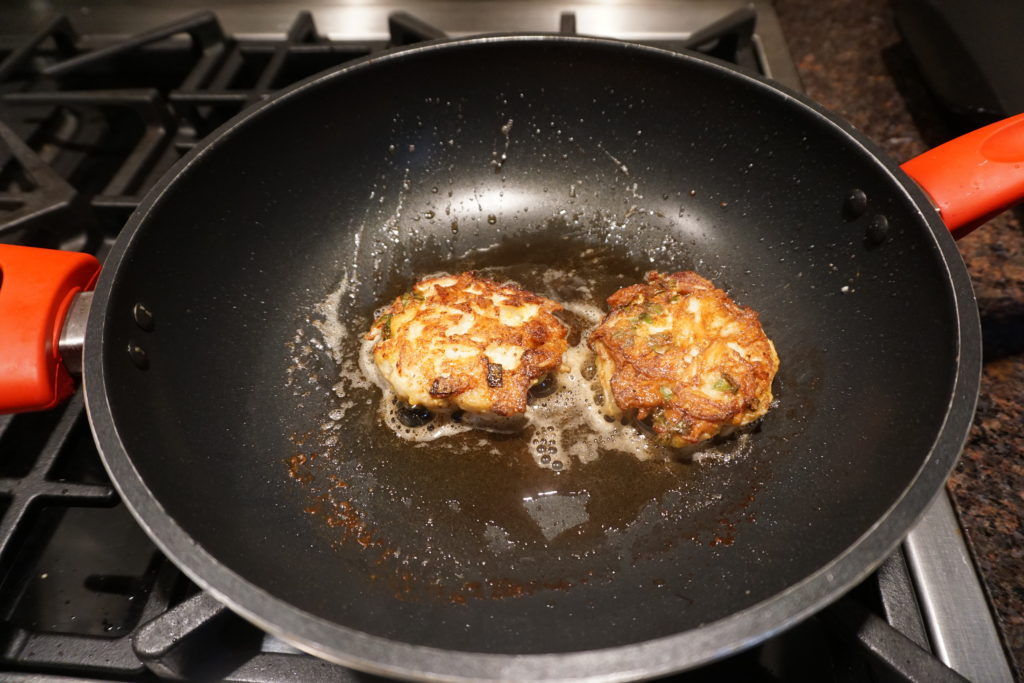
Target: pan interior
point(526, 158)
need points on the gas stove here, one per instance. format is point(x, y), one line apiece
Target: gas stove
point(95, 104)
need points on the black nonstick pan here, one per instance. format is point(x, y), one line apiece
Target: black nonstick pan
point(221, 391)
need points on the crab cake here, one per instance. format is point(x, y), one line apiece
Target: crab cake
point(466, 342)
point(680, 352)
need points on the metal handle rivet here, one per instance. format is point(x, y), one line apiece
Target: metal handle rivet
point(855, 204)
point(878, 230)
point(143, 316)
point(138, 355)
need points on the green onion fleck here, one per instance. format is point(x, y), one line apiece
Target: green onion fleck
point(666, 393)
point(650, 311)
point(385, 325)
point(725, 385)
point(411, 296)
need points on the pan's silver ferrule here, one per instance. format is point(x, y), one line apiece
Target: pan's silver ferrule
point(72, 335)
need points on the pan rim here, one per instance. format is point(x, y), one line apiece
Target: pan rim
point(683, 650)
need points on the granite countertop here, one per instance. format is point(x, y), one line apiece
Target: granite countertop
point(852, 60)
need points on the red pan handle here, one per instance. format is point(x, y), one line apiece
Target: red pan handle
point(975, 176)
point(36, 290)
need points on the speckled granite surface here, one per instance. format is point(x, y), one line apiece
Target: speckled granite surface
point(852, 60)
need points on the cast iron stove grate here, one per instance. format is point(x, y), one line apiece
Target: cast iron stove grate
point(87, 125)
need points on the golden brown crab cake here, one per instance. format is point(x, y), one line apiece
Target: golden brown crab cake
point(679, 351)
point(466, 342)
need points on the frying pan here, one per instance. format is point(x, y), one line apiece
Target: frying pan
point(213, 388)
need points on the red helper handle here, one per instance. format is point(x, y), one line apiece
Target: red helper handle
point(36, 289)
point(975, 176)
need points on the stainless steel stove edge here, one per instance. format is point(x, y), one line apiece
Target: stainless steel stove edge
point(960, 625)
point(643, 20)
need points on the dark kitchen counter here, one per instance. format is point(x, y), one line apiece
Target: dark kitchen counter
point(852, 60)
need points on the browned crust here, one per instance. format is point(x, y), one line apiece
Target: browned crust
point(671, 375)
point(542, 340)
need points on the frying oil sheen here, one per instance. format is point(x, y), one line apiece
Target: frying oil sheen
point(570, 481)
